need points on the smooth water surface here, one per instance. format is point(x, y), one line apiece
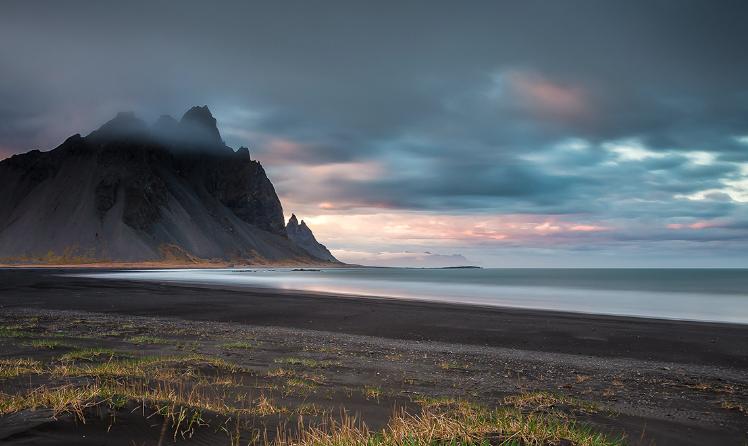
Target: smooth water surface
point(719, 295)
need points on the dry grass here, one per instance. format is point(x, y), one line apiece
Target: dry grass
point(544, 401)
point(156, 367)
point(264, 406)
point(731, 405)
point(114, 393)
point(15, 367)
point(299, 386)
point(442, 421)
point(582, 378)
point(59, 400)
point(280, 372)
point(186, 392)
point(461, 424)
point(372, 392)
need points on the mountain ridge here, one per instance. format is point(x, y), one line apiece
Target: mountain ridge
point(132, 192)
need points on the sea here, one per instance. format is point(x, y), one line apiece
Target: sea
point(709, 295)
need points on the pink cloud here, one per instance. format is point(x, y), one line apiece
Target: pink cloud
point(401, 258)
point(702, 224)
point(547, 227)
point(588, 228)
point(546, 97)
point(277, 150)
point(383, 228)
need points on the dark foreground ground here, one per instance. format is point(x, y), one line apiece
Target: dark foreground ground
point(292, 356)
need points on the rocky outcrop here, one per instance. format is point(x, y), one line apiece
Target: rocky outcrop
point(126, 191)
point(303, 236)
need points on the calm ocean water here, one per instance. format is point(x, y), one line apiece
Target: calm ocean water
point(719, 295)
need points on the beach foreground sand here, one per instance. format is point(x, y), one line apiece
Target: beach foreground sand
point(198, 365)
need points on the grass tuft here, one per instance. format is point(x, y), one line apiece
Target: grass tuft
point(15, 367)
point(731, 405)
point(440, 421)
point(461, 425)
point(372, 392)
point(158, 367)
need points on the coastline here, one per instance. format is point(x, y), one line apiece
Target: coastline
point(539, 330)
point(667, 382)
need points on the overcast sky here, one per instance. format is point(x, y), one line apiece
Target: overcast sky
point(549, 133)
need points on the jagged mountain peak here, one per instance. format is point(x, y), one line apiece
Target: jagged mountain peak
point(303, 236)
point(201, 126)
point(196, 131)
point(243, 152)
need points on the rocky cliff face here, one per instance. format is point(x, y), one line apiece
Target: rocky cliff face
point(130, 192)
point(303, 236)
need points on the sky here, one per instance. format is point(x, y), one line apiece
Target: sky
point(502, 133)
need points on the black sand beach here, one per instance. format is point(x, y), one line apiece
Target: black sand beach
point(654, 381)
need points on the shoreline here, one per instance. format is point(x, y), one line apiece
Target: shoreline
point(654, 381)
point(541, 330)
point(689, 304)
point(424, 301)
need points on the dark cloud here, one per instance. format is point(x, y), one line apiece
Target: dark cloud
point(605, 109)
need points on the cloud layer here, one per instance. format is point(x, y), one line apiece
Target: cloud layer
point(545, 132)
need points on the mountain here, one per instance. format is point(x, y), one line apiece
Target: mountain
point(133, 192)
point(302, 236)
